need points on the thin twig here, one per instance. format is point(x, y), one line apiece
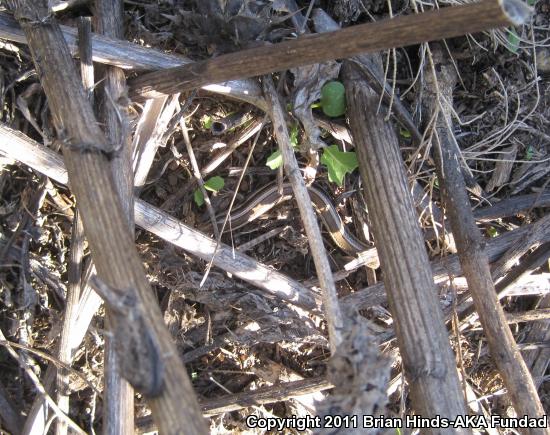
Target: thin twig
point(332, 311)
point(198, 177)
point(473, 257)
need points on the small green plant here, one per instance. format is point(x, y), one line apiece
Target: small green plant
point(513, 41)
point(338, 163)
point(294, 131)
point(492, 231)
point(214, 184)
point(404, 133)
point(206, 122)
point(275, 160)
point(333, 99)
point(529, 153)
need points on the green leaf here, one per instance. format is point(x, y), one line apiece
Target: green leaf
point(333, 99)
point(275, 160)
point(405, 133)
point(529, 153)
point(531, 2)
point(198, 197)
point(206, 122)
point(513, 41)
point(492, 231)
point(214, 184)
point(338, 163)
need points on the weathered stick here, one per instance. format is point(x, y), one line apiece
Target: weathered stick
point(77, 243)
point(333, 315)
point(118, 409)
point(511, 206)
point(441, 269)
point(261, 396)
point(534, 238)
point(471, 247)
point(85, 150)
point(528, 316)
point(381, 35)
point(428, 361)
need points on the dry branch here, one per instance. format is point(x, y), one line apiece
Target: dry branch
point(77, 243)
point(539, 231)
point(261, 396)
point(85, 151)
point(331, 307)
point(118, 410)
point(428, 361)
point(528, 316)
point(441, 269)
point(471, 247)
point(365, 38)
point(512, 206)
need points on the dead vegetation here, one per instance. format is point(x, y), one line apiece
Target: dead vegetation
point(278, 316)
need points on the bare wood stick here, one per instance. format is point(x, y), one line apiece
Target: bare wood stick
point(131, 56)
point(77, 242)
point(528, 265)
point(18, 146)
point(276, 393)
point(244, 267)
point(331, 307)
point(85, 55)
point(441, 270)
point(118, 409)
point(112, 245)
point(381, 35)
point(528, 316)
point(539, 231)
point(261, 396)
point(219, 158)
point(148, 136)
point(428, 361)
point(539, 360)
point(73, 294)
point(471, 249)
point(511, 206)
